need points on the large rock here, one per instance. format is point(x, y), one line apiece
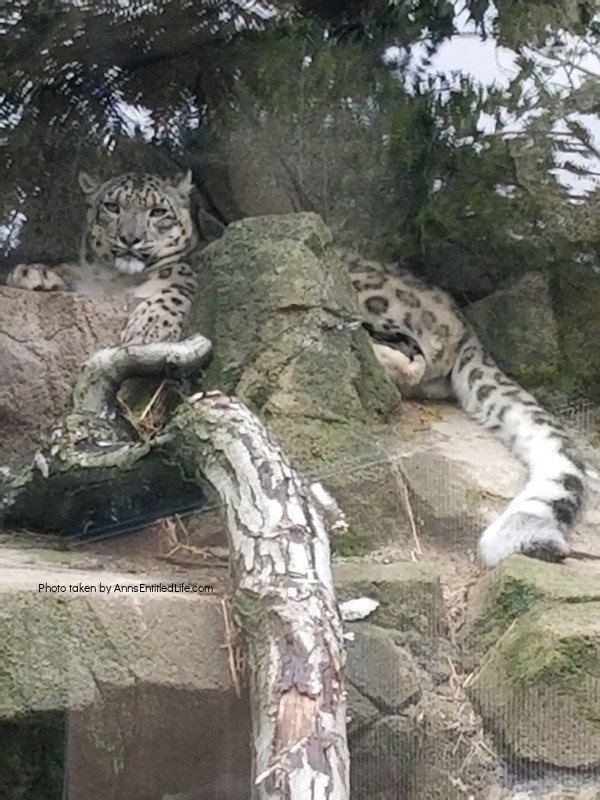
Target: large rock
point(518, 585)
point(517, 324)
point(380, 670)
point(384, 761)
point(44, 339)
point(538, 690)
point(535, 630)
point(281, 312)
point(409, 593)
point(579, 314)
point(132, 690)
point(546, 339)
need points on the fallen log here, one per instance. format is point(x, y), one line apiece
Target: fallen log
point(278, 526)
point(284, 602)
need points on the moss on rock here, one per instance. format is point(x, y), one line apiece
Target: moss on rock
point(281, 312)
point(579, 320)
point(515, 587)
point(537, 628)
point(409, 593)
point(518, 325)
point(539, 687)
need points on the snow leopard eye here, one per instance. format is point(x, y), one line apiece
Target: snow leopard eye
point(112, 208)
point(158, 212)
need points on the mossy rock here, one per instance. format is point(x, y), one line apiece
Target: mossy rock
point(55, 674)
point(56, 652)
point(281, 312)
point(518, 585)
point(357, 465)
point(579, 320)
point(409, 593)
point(538, 690)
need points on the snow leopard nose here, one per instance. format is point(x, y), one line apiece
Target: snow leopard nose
point(129, 238)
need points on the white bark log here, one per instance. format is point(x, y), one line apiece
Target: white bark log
point(285, 602)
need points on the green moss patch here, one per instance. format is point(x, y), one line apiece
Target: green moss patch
point(539, 687)
point(518, 585)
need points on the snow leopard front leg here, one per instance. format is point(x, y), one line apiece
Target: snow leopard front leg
point(166, 298)
point(165, 301)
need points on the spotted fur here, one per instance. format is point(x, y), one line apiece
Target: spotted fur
point(430, 351)
point(138, 241)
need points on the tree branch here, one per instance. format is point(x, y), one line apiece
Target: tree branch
point(103, 373)
point(283, 599)
point(93, 460)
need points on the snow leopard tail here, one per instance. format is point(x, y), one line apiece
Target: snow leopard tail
point(538, 519)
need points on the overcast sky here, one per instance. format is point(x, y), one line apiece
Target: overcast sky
point(489, 65)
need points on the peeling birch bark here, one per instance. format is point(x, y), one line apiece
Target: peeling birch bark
point(285, 603)
point(278, 526)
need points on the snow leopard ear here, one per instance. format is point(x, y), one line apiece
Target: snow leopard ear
point(87, 183)
point(183, 184)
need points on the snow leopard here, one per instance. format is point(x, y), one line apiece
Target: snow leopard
point(430, 351)
point(138, 241)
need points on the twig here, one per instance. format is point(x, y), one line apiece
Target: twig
point(151, 402)
point(230, 636)
point(397, 466)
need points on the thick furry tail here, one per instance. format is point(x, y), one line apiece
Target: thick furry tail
point(537, 521)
